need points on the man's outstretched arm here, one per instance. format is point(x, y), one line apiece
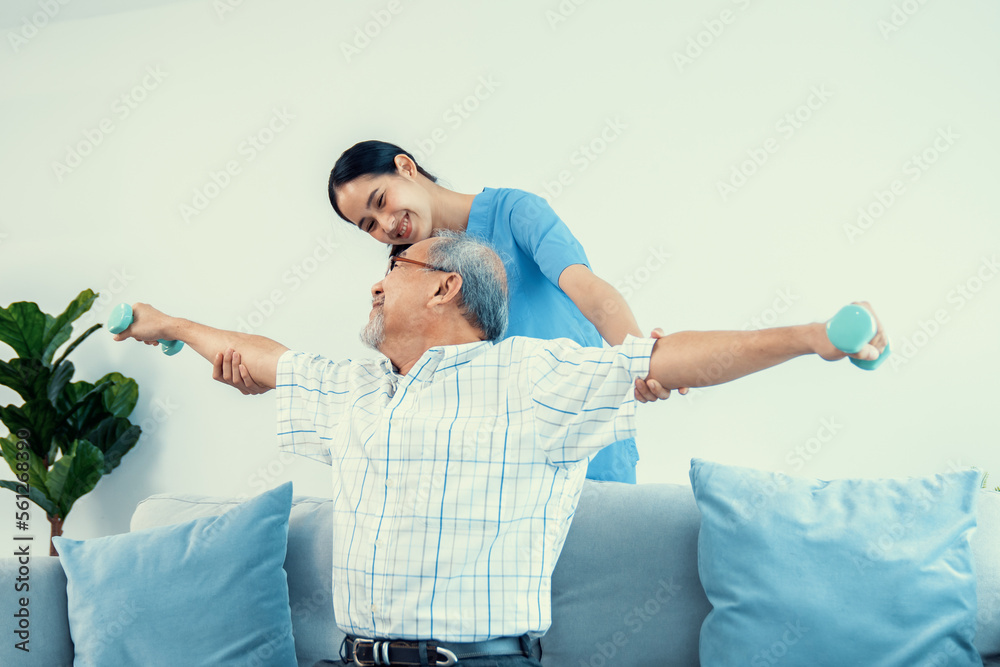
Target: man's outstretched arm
point(259, 355)
point(705, 358)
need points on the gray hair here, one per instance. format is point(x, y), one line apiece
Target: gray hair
point(484, 280)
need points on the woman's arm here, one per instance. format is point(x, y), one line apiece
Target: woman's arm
point(607, 310)
point(600, 303)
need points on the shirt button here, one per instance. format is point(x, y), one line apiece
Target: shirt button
point(374, 609)
point(378, 544)
point(390, 482)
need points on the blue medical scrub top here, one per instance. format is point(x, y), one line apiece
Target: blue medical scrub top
point(536, 246)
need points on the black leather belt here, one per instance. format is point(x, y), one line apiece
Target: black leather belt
point(372, 652)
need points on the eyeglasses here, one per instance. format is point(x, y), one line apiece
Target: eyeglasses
point(396, 258)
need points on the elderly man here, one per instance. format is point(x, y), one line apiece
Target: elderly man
point(457, 461)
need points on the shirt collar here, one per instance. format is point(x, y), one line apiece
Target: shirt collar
point(439, 359)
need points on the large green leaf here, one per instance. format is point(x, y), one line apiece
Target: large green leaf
point(37, 335)
point(38, 417)
point(15, 418)
point(37, 472)
point(81, 407)
point(72, 394)
point(61, 328)
point(116, 437)
point(23, 326)
point(28, 377)
point(121, 397)
point(35, 495)
point(74, 474)
point(62, 373)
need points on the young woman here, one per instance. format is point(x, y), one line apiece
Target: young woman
point(379, 188)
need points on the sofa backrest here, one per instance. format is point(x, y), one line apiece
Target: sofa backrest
point(625, 590)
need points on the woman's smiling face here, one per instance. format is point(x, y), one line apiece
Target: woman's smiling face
point(393, 208)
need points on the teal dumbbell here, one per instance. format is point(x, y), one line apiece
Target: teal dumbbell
point(850, 329)
point(121, 319)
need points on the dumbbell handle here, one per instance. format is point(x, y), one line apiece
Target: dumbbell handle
point(850, 330)
point(121, 319)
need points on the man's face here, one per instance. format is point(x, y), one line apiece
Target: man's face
point(397, 299)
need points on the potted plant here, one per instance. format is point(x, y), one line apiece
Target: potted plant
point(66, 435)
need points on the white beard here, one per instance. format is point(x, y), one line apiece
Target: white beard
point(373, 335)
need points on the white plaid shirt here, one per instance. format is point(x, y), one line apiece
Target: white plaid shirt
point(455, 484)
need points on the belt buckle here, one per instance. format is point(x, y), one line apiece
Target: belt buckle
point(354, 651)
point(449, 656)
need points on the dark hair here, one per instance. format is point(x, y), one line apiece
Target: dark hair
point(366, 158)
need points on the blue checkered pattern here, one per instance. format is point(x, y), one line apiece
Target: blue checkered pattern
point(454, 485)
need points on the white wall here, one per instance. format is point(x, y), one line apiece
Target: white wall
point(778, 249)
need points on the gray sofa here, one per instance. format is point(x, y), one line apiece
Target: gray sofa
point(625, 590)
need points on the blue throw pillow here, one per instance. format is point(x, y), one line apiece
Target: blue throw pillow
point(846, 572)
point(206, 592)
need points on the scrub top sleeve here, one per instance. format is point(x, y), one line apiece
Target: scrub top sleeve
point(542, 235)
